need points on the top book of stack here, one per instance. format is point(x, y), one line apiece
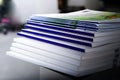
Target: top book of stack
point(90, 20)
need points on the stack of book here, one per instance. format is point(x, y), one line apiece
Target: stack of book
point(77, 43)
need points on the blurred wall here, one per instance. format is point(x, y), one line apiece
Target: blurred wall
point(22, 9)
point(76, 2)
point(93, 4)
point(90, 4)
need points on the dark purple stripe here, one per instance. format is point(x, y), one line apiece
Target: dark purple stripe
point(53, 43)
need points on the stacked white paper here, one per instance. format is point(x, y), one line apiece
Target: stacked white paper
point(71, 51)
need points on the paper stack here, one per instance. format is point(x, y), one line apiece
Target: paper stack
point(76, 43)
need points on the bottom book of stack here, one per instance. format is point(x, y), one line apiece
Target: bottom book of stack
point(65, 60)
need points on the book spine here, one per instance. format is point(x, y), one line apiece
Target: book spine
point(46, 59)
point(50, 48)
point(88, 24)
point(41, 63)
point(59, 33)
point(54, 24)
point(69, 23)
point(59, 38)
point(83, 26)
point(56, 27)
point(53, 20)
point(61, 20)
point(53, 43)
point(87, 28)
point(53, 55)
point(74, 27)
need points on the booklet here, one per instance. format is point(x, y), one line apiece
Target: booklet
point(37, 26)
point(85, 17)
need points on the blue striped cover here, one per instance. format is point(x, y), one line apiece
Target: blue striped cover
point(60, 33)
point(78, 27)
point(83, 26)
point(58, 38)
point(63, 21)
point(58, 27)
point(52, 42)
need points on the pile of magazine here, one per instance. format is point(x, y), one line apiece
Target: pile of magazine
point(77, 43)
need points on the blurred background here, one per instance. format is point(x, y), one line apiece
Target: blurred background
point(13, 13)
point(13, 16)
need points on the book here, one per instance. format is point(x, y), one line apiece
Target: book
point(89, 27)
point(46, 53)
point(74, 31)
point(41, 63)
point(84, 61)
point(66, 52)
point(78, 45)
point(77, 36)
point(85, 65)
point(58, 68)
point(83, 19)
